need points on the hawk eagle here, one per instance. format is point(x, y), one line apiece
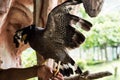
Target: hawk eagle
point(58, 35)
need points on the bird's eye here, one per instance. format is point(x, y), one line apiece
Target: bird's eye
point(19, 34)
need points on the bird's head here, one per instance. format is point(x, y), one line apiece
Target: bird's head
point(23, 35)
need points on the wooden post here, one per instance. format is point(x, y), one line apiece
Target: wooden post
point(37, 11)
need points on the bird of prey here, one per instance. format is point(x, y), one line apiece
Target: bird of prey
point(58, 35)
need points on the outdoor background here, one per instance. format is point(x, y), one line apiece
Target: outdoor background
point(101, 50)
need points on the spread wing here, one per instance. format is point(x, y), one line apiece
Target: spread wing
point(60, 29)
point(73, 38)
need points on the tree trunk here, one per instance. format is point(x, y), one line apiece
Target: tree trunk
point(116, 47)
point(106, 54)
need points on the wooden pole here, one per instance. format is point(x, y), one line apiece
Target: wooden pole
point(37, 11)
point(36, 19)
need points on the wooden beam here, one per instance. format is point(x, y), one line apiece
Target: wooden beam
point(89, 76)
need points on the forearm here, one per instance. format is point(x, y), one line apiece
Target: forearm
point(18, 73)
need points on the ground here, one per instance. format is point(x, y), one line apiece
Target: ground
point(108, 66)
point(29, 59)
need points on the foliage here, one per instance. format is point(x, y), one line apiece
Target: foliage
point(82, 64)
point(28, 58)
point(93, 62)
point(105, 30)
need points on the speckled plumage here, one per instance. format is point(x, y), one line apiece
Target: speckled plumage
point(52, 41)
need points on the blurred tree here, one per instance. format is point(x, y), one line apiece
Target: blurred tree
point(105, 32)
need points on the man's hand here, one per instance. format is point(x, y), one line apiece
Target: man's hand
point(45, 72)
point(59, 76)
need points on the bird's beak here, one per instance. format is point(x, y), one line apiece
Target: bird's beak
point(24, 37)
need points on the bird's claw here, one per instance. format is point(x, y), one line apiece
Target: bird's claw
point(55, 72)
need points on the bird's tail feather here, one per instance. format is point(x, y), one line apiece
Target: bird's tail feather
point(68, 70)
point(78, 70)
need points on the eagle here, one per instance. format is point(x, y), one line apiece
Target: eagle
point(57, 36)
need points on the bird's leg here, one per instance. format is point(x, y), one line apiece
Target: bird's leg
point(57, 69)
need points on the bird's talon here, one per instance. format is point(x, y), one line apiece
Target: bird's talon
point(56, 71)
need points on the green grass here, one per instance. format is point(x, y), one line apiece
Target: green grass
point(91, 62)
